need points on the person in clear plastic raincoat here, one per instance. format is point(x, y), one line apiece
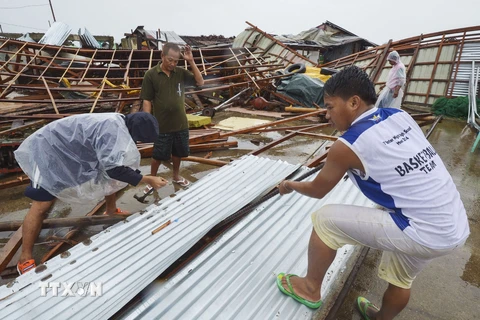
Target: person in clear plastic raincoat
point(392, 94)
point(79, 159)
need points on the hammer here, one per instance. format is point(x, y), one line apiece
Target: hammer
point(145, 194)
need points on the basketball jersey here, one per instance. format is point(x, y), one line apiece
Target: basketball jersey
point(404, 174)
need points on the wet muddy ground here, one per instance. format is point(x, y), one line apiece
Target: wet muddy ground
point(448, 289)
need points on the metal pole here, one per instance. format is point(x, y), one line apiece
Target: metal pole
point(51, 8)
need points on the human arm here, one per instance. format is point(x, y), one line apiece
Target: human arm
point(340, 158)
point(188, 56)
point(147, 106)
point(147, 94)
point(396, 90)
point(133, 177)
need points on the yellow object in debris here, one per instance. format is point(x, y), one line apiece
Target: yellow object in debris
point(66, 82)
point(198, 121)
point(237, 123)
point(313, 72)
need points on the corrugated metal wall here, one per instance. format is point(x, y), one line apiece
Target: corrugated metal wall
point(470, 52)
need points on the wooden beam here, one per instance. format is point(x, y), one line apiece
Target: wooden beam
point(51, 61)
point(23, 127)
point(316, 135)
point(212, 162)
point(439, 52)
point(9, 250)
point(88, 66)
point(314, 113)
point(20, 72)
point(24, 179)
point(71, 233)
point(50, 95)
point(65, 222)
point(69, 65)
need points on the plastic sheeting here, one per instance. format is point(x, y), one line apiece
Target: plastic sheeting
point(386, 99)
point(69, 157)
point(303, 89)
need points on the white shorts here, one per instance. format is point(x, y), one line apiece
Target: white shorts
point(402, 259)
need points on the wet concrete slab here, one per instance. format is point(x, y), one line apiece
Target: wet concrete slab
point(449, 288)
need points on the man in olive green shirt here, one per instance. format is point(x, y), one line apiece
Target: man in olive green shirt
point(163, 92)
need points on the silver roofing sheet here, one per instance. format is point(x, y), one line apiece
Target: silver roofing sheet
point(234, 278)
point(470, 52)
point(87, 39)
point(126, 257)
point(56, 34)
point(172, 36)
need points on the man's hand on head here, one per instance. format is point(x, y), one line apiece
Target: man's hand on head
point(187, 54)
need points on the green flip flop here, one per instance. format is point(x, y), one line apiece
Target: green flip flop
point(291, 293)
point(363, 305)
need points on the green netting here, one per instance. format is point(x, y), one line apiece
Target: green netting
point(455, 107)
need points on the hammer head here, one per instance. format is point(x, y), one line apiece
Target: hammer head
point(145, 194)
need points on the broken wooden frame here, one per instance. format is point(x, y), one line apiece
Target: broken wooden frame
point(435, 63)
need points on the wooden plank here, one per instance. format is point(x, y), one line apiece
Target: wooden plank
point(23, 127)
point(20, 72)
point(125, 76)
point(273, 144)
point(291, 134)
point(212, 162)
point(203, 62)
point(457, 65)
point(291, 128)
point(439, 52)
point(24, 179)
point(98, 97)
point(88, 66)
point(50, 94)
point(316, 135)
point(13, 56)
point(69, 65)
point(244, 70)
point(51, 61)
point(65, 222)
point(150, 60)
point(314, 113)
point(71, 233)
point(316, 161)
point(9, 250)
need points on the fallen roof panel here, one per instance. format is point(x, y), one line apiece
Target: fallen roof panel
point(234, 278)
point(127, 257)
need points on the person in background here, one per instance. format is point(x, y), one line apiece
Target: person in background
point(79, 159)
point(163, 94)
point(392, 93)
point(386, 155)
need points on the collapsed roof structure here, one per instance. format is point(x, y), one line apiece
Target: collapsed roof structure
point(43, 82)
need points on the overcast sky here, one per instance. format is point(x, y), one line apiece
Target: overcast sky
point(375, 20)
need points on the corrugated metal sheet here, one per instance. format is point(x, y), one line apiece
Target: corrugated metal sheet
point(126, 257)
point(56, 34)
point(470, 52)
point(171, 36)
point(87, 39)
point(248, 39)
point(234, 278)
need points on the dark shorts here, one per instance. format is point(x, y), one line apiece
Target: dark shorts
point(38, 193)
point(171, 144)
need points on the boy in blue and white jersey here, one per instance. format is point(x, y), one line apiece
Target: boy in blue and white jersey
point(387, 156)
